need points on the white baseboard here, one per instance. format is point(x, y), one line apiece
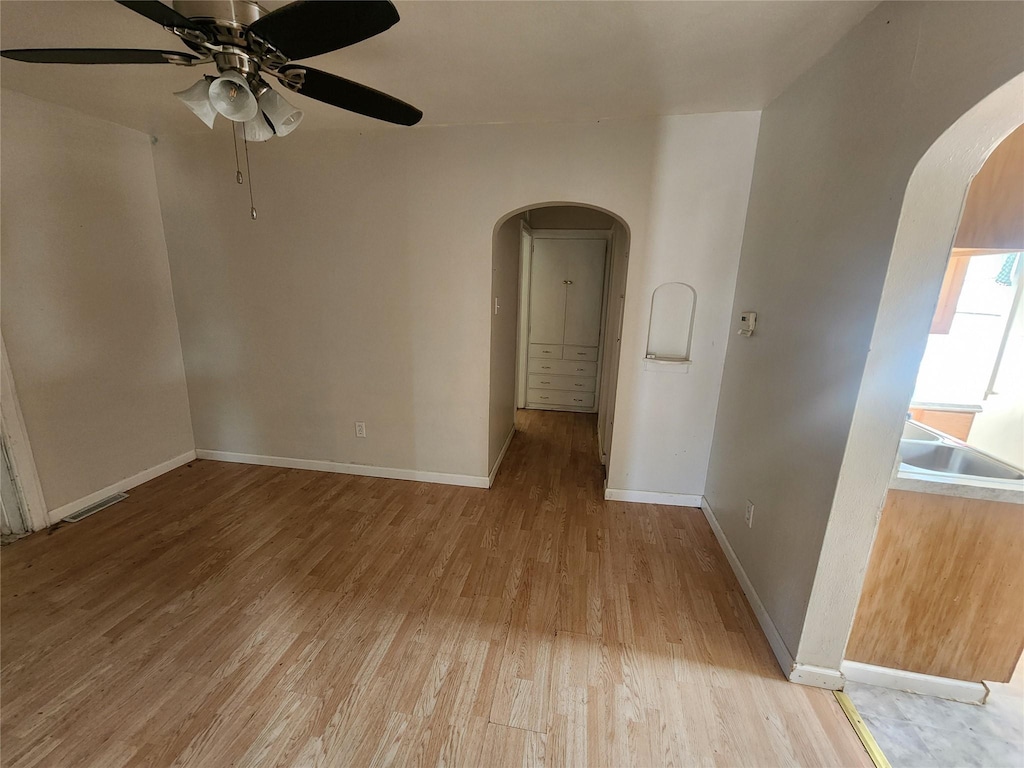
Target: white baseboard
point(915, 682)
point(365, 470)
point(501, 455)
point(128, 483)
point(817, 677)
point(778, 645)
point(653, 497)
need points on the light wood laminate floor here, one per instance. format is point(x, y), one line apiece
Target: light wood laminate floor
point(236, 615)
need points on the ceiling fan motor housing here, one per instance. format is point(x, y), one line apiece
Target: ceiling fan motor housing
point(229, 21)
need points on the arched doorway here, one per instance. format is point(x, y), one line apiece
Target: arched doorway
point(581, 371)
point(928, 223)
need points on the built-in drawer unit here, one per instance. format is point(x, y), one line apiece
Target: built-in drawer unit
point(567, 383)
point(563, 367)
point(584, 400)
point(578, 353)
point(547, 351)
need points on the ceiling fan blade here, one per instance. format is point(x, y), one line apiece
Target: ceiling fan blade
point(339, 92)
point(97, 56)
point(308, 28)
point(162, 14)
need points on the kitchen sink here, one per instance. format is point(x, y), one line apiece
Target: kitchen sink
point(914, 431)
point(953, 460)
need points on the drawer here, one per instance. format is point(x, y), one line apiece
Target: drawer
point(554, 397)
point(579, 353)
point(563, 367)
point(566, 383)
point(549, 351)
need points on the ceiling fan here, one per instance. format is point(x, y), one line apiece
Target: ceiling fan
point(245, 42)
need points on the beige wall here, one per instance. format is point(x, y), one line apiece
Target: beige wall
point(834, 156)
point(504, 328)
point(87, 313)
point(363, 291)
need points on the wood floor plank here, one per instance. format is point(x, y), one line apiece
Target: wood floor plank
point(238, 615)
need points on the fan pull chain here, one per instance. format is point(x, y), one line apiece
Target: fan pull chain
point(234, 138)
point(248, 173)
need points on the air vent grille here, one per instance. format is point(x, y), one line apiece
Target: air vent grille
point(81, 514)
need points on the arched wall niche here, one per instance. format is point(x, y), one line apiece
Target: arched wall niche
point(670, 326)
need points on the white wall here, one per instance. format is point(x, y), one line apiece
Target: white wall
point(504, 331)
point(664, 421)
point(363, 291)
point(834, 156)
point(87, 313)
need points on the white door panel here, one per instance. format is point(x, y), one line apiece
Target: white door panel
point(584, 261)
point(547, 293)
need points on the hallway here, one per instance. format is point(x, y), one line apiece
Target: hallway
point(233, 614)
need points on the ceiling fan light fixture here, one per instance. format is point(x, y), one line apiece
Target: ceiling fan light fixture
point(197, 98)
point(230, 95)
point(258, 129)
point(282, 116)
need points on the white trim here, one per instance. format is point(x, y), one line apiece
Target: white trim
point(817, 677)
point(365, 470)
point(778, 645)
point(915, 682)
point(121, 485)
point(501, 455)
point(653, 497)
point(19, 448)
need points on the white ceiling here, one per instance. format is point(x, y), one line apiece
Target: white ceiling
point(467, 62)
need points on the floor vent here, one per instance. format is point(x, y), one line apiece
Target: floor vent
point(74, 517)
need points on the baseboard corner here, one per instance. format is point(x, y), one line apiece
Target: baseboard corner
point(501, 455)
point(817, 677)
point(58, 514)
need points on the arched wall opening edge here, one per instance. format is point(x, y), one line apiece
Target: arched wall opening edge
point(929, 218)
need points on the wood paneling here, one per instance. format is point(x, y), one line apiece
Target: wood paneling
point(953, 423)
point(233, 615)
point(994, 211)
point(943, 593)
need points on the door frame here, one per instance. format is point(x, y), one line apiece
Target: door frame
point(523, 332)
point(19, 449)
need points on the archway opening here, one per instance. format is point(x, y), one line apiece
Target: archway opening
point(931, 212)
point(558, 285)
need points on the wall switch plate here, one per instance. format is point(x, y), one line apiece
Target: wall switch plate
point(750, 514)
point(360, 429)
point(497, 306)
point(748, 321)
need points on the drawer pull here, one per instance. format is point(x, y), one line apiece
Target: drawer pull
point(576, 400)
point(548, 368)
point(581, 369)
point(544, 397)
point(545, 382)
point(581, 353)
point(578, 384)
point(547, 352)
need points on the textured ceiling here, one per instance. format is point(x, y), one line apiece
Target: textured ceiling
point(467, 62)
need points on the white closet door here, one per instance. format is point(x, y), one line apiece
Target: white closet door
point(584, 261)
point(547, 292)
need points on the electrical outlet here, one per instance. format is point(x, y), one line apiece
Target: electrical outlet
point(360, 429)
point(750, 514)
